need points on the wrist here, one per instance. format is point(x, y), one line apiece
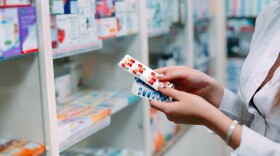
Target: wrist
point(214, 92)
point(220, 124)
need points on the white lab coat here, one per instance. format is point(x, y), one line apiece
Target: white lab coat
point(263, 136)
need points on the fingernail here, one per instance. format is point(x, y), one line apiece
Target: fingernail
point(162, 86)
point(162, 75)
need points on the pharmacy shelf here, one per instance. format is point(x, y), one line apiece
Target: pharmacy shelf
point(18, 57)
point(241, 17)
point(84, 134)
point(76, 49)
point(131, 101)
point(172, 142)
point(158, 32)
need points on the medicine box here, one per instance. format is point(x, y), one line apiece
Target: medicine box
point(107, 28)
point(106, 18)
point(71, 7)
point(121, 16)
point(87, 22)
point(132, 19)
point(28, 30)
point(54, 33)
point(63, 86)
point(67, 29)
point(2, 3)
point(105, 9)
point(86, 7)
point(56, 7)
point(10, 33)
point(14, 3)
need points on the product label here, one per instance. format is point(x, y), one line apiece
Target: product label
point(141, 89)
point(10, 33)
point(85, 7)
point(18, 2)
point(1, 3)
point(63, 87)
point(31, 145)
point(28, 30)
point(132, 16)
point(88, 28)
point(67, 29)
point(105, 8)
point(57, 7)
point(74, 7)
point(107, 27)
point(121, 14)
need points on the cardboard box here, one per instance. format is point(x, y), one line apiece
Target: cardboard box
point(107, 28)
point(106, 18)
point(2, 3)
point(71, 7)
point(88, 28)
point(28, 30)
point(63, 86)
point(67, 30)
point(121, 16)
point(10, 33)
point(56, 7)
point(132, 16)
point(14, 3)
point(105, 9)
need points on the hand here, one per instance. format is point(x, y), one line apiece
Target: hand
point(188, 108)
point(193, 81)
point(194, 110)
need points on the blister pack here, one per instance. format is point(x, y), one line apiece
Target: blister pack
point(146, 80)
point(144, 73)
point(143, 90)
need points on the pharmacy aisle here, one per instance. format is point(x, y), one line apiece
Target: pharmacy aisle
point(63, 93)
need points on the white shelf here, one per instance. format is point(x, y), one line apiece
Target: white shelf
point(131, 101)
point(84, 134)
point(88, 131)
point(158, 32)
point(77, 49)
point(38, 73)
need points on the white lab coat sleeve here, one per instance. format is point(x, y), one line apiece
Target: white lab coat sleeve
point(255, 144)
point(234, 108)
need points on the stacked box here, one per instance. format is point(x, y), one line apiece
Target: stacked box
point(28, 30)
point(14, 3)
point(56, 7)
point(19, 31)
point(106, 18)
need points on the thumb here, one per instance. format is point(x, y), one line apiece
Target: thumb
point(170, 92)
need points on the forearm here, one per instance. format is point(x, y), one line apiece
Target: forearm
point(220, 124)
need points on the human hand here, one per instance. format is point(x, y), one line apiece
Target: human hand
point(193, 81)
point(194, 110)
point(187, 109)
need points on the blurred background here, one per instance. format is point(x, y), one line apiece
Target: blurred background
point(62, 92)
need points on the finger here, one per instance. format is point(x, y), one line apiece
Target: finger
point(164, 70)
point(173, 75)
point(161, 106)
point(170, 92)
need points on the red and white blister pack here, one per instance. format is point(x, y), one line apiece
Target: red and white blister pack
point(144, 73)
